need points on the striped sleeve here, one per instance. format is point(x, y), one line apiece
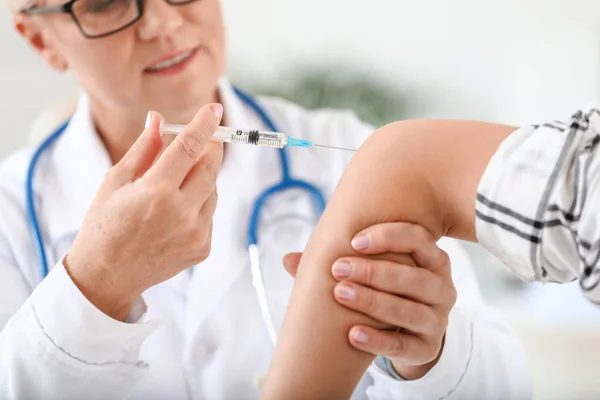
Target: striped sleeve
point(538, 202)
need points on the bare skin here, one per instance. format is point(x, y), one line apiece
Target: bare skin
point(142, 189)
point(422, 172)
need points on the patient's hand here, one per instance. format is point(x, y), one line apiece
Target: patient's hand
point(417, 300)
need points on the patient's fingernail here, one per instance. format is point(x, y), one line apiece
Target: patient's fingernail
point(361, 337)
point(148, 119)
point(345, 292)
point(360, 242)
point(341, 269)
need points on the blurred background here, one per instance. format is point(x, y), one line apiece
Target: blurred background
point(508, 61)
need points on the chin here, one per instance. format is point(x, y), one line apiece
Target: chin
point(181, 109)
point(183, 97)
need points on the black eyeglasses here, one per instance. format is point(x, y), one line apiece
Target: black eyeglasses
point(100, 18)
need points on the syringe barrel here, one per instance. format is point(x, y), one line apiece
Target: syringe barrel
point(238, 136)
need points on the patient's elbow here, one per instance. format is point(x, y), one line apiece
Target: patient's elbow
point(388, 178)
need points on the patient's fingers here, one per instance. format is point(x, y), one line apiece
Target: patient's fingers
point(411, 349)
point(412, 316)
point(415, 283)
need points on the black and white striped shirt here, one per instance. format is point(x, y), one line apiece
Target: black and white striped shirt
point(538, 203)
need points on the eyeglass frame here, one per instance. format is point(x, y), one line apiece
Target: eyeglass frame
point(67, 8)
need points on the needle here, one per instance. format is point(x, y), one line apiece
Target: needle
point(333, 147)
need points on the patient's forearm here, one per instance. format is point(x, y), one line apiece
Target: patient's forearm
point(422, 172)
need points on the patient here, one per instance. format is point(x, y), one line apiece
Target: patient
point(394, 176)
point(429, 173)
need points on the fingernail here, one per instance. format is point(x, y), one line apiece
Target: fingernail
point(341, 269)
point(361, 337)
point(148, 119)
point(217, 109)
point(360, 242)
point(345, 292)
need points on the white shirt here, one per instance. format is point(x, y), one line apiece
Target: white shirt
point(537, 203)
point(200, 335)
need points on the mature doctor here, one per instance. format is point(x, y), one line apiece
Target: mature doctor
point(124, 314)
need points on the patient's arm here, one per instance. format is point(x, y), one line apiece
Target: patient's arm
point(424, 172)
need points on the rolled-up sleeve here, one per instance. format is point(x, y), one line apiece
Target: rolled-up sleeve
point(537, 202)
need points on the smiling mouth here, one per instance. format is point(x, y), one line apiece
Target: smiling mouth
point(172, 63)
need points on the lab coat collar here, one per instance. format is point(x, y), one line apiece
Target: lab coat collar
point(81, 161)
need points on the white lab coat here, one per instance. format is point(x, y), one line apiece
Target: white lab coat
point(200, 335)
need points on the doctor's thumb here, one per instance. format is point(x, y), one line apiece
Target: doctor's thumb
point(291, 262)
point(140, 157)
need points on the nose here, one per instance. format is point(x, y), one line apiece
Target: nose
point(160, 19)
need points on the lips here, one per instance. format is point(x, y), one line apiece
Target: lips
point(171, 62)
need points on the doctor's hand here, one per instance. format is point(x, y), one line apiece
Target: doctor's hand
point(152, 216)
point(416, 299)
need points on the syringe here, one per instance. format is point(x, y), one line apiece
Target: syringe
point(249, 136)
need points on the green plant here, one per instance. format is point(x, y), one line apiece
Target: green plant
point(373, 99)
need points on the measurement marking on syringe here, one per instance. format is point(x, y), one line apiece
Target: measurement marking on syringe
point(269, 143)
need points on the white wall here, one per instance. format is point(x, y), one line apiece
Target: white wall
point(471, 58)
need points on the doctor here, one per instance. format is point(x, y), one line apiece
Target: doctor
point(121, 311)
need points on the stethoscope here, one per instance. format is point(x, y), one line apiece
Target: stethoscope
point(287, 182)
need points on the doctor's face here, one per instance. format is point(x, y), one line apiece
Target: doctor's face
point(169, 59)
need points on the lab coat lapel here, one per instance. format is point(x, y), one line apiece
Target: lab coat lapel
point(238, 185)
point(213, 278)
point(81, 162)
